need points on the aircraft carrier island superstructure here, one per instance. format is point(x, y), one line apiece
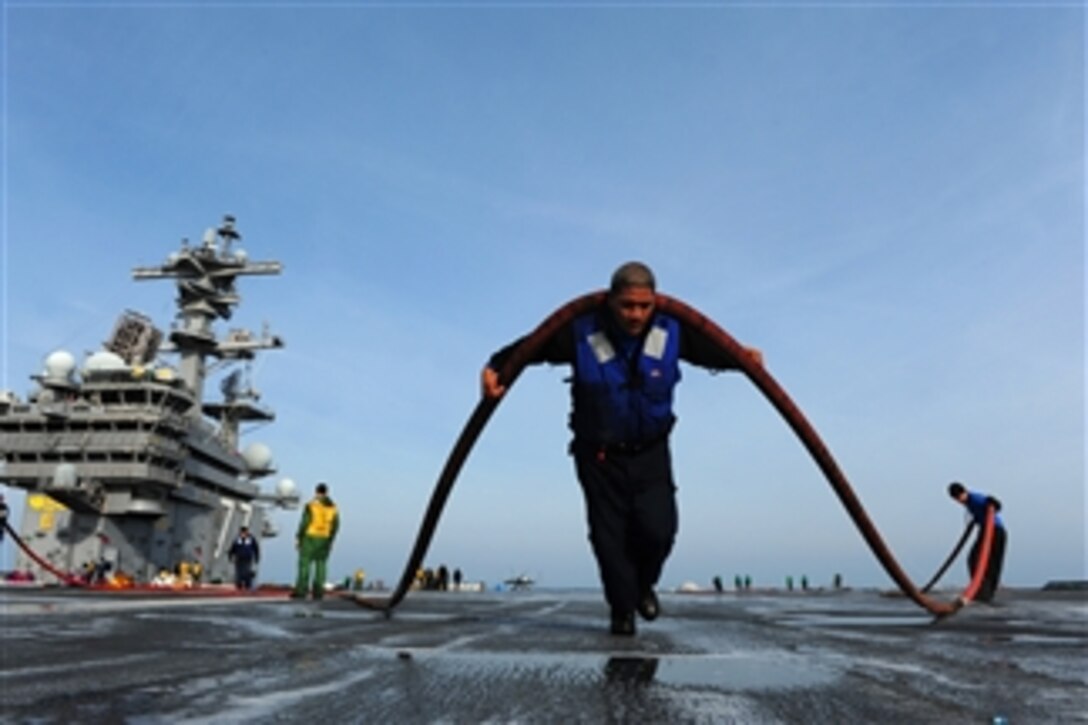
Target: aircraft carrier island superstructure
point(123, 460)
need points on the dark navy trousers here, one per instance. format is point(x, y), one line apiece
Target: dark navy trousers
point(631, 510)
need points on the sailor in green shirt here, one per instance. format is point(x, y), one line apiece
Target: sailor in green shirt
point(316, 532)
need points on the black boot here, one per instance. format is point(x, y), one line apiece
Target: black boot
point(623, 623)
point(648, 606)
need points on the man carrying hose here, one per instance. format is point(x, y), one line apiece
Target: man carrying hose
point(976, 504)
point(625, 360)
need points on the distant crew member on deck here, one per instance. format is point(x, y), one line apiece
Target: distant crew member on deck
point(245, 552)
point(976, 504)
point(316, 533)
point(3, 516)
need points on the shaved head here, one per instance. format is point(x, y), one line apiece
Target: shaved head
point(632, 274)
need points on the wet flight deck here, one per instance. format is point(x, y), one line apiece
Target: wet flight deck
point(540, 656)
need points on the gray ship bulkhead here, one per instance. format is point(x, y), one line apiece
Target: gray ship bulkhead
point(126, 463)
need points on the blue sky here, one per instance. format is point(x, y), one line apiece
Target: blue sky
point(886, 199)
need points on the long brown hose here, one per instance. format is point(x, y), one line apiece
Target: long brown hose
point(755, 372)
point(951, 557)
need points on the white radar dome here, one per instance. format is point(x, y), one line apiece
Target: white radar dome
point(286, 488)
point(258, 457)
point(59, 365)
point(104, 361)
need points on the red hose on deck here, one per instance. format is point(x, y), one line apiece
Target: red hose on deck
point(983, 562)
point(66, 578)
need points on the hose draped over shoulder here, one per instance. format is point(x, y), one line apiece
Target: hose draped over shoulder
point(760, 377)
